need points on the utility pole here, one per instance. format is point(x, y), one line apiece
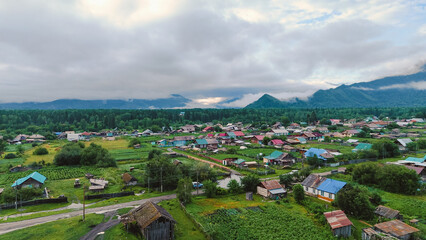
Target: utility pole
point(16, 198)
point(84, 202)
point(161, 179)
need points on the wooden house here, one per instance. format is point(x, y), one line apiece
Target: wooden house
point(328, 189)
point(271, 189)
point(339, 223)
point(34, 180)
point(129, 180)
point(311, 183)
point(153, 221)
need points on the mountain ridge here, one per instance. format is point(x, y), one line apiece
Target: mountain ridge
point(394, 91)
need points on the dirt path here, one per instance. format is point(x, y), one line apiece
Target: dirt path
point(102, 227)
point(211, 163)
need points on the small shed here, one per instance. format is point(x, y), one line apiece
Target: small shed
point(129, 180)
point(386, 212)
point(396, 228)
point(339, 223)
point(154, 222)
point(35, 180)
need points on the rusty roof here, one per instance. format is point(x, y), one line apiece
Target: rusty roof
point(337, 219)
point(386, 212)
point(145, 214)
point(128, 178)
point(271, 184)
point(396, 228)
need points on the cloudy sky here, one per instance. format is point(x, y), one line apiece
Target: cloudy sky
point(206, 50)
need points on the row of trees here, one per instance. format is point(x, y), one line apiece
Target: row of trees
point(47, 121)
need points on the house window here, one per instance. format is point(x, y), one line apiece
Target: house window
point(306, 188)
point(329, 195)
point(322, 193)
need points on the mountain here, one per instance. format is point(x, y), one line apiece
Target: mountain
point(396, 91)
point(172, 102)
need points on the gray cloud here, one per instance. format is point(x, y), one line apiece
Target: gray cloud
point(56, 51)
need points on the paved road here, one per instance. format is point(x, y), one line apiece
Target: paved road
point(12, 226)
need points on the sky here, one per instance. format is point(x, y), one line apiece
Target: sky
point(210, 51)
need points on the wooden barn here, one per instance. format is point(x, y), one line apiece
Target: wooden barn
point(339, 223)
point(154, 222)
point(385, 212)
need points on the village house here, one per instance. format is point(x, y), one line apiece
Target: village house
point(34, 180)
point(339, 223)
point(362, 147)
point(309, 136)
point(328, 189)
point(280, 132)
point(74, 137)
point(385, 212)
point(323, 129)
point(208, 129)
point(239, 163)
point(257, 139)
point(301, 140)
point(402, 143)
point(276, 142)
point(278, 158)
point(335, 121)
point(188, 129)
point(271, 189)
point(350, 132)
point(129, 180)
point(396, 228)
point(153, 221)
point(311, 183)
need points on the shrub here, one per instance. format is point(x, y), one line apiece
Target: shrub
point(10, 156)
point(355, 201)
point(40, 151)
point(299, 193)
point(250, 183)
point(234, 186)
point(210, 188)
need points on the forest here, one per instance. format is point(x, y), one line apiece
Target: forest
point(45, 122)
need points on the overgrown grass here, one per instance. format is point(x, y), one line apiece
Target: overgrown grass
point(185, 228)
point(70, 228)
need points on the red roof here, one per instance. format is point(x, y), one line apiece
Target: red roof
point(210, 135)
point(337, 219)
point(239, 134)
point(222, 134)
point(277, 142)
point(209, 128)
point(417, 169)
point(259, 137)
point(85, 134)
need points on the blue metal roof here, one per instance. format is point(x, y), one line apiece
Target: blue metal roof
point(414, 159)
point(232, 135)
point(315, 151)
point(35, 175)
point(301, 139)
point(331, 186)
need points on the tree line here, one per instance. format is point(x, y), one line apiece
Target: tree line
point(47, 121)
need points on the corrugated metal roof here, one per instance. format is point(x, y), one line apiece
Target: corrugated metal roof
point(274, 155)
point(277, 191)
point(239, 161)
point(363, 146)
point(315, 152)
point(386, 212)
point(201, 141)
point(35, 175)
point(337, 219)
point(331, 186)
point(271, 184)
point(396, 228)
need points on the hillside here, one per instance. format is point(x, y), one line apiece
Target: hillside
point(396, 91)
point(171, 102)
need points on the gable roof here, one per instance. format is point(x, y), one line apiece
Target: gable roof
point(396, 228)
point(201, 141)
point(35, 175)
point(363, 146)
point(386, 212)
point(313, 181)
point(404, 141)
point(239, 134)
point(337, 219)
point(239, 161)
point(145, 214)
point(277, 142)
point(274, 155)
point(271, 184)
point(315, 152)
point(413, 159)
point(128, 178)
point(331, 186)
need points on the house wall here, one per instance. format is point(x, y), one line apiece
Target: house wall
point(343, 231)
point(262, 191)
point(159, 230)
point(31, 182)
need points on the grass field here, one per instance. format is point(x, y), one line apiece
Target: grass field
point(185, 228)
point(70, 228)
point(30, 158)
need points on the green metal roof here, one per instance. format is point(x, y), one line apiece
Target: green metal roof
point(201, 141)
point(239, 161)
point(35, 175)
point(363, 146)
point(274, 155)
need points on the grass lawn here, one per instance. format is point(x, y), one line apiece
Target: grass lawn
point(185, 228)
point(52, 149)
point(70, 228)
point(118, 232)
point(36, 208)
